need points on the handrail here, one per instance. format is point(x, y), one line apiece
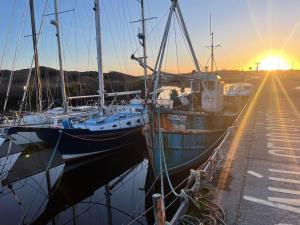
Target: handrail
point(206, 171)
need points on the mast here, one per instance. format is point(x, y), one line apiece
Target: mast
point(36, 60)
point(174, 8)
point(99, 52)
point(61, 71)
point(144, 47)
point(212, 46)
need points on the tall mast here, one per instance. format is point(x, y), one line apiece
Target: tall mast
point(99, 52)
point(36, 60)
point(61, 71)
point(144, 47)
point(211, 46)
point(142, 39)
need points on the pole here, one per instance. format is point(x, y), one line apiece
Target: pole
point(61, 71)
point(39, 96)
point(108, 204)
point(159, 209)
point(144, 47)
point(99, 52)
point(212, 58)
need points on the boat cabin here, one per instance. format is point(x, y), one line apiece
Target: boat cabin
point(207, 93)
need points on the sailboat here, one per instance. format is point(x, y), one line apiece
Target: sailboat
point(40, 118)
point(53, 118)
point(103, 132)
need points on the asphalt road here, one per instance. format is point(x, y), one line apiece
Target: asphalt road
point(260, 181)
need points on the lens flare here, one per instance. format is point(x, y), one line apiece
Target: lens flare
point(274, 63)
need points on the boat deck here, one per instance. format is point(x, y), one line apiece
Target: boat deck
point(260, 180)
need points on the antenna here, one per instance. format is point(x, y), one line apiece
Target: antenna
point(212, 46)
point(210, 33)
point(257, 66)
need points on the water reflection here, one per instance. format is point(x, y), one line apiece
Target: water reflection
point(103, 190)
point(33, 160)
point(79, 183)
point(106, 189)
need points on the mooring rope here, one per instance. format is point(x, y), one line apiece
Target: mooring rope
point(103, 139)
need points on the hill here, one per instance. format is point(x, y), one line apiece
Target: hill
point(77, 83)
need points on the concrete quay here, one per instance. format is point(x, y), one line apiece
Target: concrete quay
point(259, 182)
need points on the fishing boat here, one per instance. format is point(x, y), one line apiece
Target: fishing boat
point(238, 89)
point(183, 136)
point(236, 95)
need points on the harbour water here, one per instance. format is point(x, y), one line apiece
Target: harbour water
point(101, 190)
point(37, 187)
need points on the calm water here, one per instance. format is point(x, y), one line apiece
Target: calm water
point(105, 190)
point(102, 190)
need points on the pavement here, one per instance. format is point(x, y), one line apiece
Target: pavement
point(259, 182)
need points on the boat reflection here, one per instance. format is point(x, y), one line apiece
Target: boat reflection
point(34, 159)
point(82, 184)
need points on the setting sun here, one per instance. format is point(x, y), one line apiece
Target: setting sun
point(274, 63)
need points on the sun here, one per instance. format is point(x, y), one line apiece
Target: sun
point(274, 63)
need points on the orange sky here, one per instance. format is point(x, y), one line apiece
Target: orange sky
point(248, 31)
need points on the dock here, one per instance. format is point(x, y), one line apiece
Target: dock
point(259, 182)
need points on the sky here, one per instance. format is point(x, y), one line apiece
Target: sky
point(248, 31)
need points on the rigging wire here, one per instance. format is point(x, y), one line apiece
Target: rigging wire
point(78, 80)
point(10, 26)
point(151, 31)
point(185, 41)
point(112, 191)
point(176, 47)
point(66, 53)
point(152, 39)
point(43, 178)
point(123, 40)
point(112, 38)
point(168, 194)
point(15, 56)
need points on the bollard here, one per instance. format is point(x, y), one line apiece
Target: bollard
point(159, 209)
